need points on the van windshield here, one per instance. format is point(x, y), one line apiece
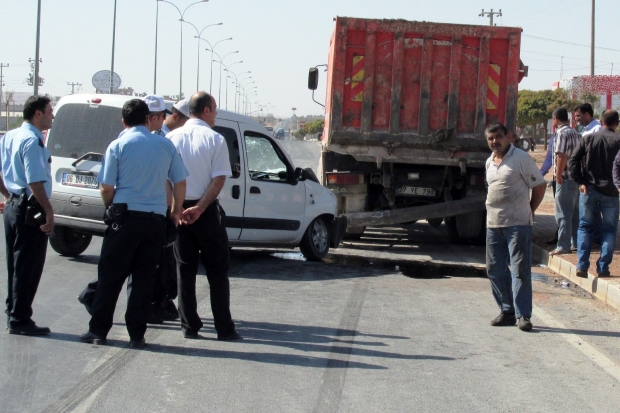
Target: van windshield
point(79, 128)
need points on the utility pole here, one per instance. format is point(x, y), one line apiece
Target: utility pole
point(36, 54)
point(492, 13)
point(73, 86)
point(113, 44)
point(592, 44)
point(2, 66)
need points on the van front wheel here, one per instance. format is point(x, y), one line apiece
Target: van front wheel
point(69, 242)
point(315, 242)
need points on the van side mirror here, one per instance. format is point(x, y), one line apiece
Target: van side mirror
point(300, 174)
point(313, 78)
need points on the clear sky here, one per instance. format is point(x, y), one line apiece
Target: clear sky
point(277, 40)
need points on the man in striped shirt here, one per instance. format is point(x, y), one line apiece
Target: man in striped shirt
point(567, 190)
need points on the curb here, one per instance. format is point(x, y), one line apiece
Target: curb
point(606, 290)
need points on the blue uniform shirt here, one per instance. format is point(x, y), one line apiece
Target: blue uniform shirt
point(137, 164)
point(164, 130)
point(25, 160)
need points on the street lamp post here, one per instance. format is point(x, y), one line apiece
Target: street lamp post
point(36, 57)
point(227, 72)
point(219, 93)
point(36, 80)
point(211, 50)
point(198, 38)
point(181, 14)
point(244, 92)
point(155, 65)
point(239, 88)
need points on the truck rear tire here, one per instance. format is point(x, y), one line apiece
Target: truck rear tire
point(434, 222)
point(69, 242)
point(468, 225)
point(315, 242)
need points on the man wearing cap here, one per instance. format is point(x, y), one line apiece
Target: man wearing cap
point(162, 306)
point(157, 113)
point(133, 178)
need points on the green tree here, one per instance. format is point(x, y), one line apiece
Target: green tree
point(310, 128)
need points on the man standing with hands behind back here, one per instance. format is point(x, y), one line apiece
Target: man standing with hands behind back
point(203, 232)
point(510, 174)
point(26, 171)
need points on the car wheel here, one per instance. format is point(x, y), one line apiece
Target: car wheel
point(434, 222)
point(315, 242)
point(526, 145)
point(69, 242)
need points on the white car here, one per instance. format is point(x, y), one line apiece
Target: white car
point(268, 202)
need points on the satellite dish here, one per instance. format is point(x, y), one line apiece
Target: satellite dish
point(101, 80)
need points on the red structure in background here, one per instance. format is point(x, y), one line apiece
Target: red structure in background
point(598, 85)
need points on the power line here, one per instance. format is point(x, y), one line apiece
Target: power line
point(570, 43)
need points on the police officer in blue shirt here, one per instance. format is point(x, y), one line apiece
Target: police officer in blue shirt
point(26, 177)
point(133, 178)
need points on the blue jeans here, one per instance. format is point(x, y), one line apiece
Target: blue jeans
point(567, 214)
point(512, 287)
point(589, 206)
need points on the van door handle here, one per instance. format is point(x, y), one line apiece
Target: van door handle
point(254, 190)
point(235, 192)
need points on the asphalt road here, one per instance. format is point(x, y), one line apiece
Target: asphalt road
point(352, 334)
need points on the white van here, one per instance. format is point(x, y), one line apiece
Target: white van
point(268, 202)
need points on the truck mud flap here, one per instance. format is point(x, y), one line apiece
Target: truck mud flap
point(337, 230)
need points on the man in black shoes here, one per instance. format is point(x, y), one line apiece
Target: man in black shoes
point(133, 178)
point(202, 233)
point(26, 180)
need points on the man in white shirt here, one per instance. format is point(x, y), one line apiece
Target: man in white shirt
point(584, 116)
point(202, 234)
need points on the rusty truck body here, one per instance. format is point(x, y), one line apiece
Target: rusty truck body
point(406, 107)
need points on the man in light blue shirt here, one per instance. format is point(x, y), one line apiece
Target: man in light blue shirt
point(26, 171)
point(133, 178)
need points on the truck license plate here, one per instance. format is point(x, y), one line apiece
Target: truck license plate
point(415, 190)
point(81, 181)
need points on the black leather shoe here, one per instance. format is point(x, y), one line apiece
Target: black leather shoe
point(154, 318)
point(29, 330)
point(191, 334)
point(166, 315)
point(504, 319)
point(552, 241)
point(92, 338)
point(137, 343)
point(525, 324)
point(232, 336)
point(86, 304)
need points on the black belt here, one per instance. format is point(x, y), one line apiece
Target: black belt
point(12, 196)
point(143, 214)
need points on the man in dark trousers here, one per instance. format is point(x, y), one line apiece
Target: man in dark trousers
point(133, 178)
point(202, 234)
point(599, 195)
point(26, 173)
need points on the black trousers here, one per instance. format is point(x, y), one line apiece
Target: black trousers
point(165, 278)
point(205, 239)
point(133, 249)
point(26, 247)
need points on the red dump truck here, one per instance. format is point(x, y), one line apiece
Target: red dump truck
point(406, 107)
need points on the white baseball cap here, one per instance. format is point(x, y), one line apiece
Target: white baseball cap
point(155, 103)
point(183, 107)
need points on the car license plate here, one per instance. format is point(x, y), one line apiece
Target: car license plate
point(81, 181)
point(416, 190)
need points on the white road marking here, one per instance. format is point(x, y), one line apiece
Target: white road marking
point(580, 344)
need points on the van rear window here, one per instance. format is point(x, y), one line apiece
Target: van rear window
point(79, 128)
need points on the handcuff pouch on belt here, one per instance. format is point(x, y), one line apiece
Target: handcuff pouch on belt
point(35, 216)
point(171, 231)
point(114, 215)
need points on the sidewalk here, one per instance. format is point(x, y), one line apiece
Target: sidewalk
point(606, 289)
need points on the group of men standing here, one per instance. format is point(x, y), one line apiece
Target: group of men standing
point(586, 178)
point(159, 181)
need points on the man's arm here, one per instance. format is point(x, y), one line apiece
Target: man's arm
point(574, 163)
point(538, 193)
point(178, 196)
point(38, 190)
point(107, 194)
point(190, 215)
point(560, 165)
point(548, 158)
point(616, 171)
point(3, 190)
